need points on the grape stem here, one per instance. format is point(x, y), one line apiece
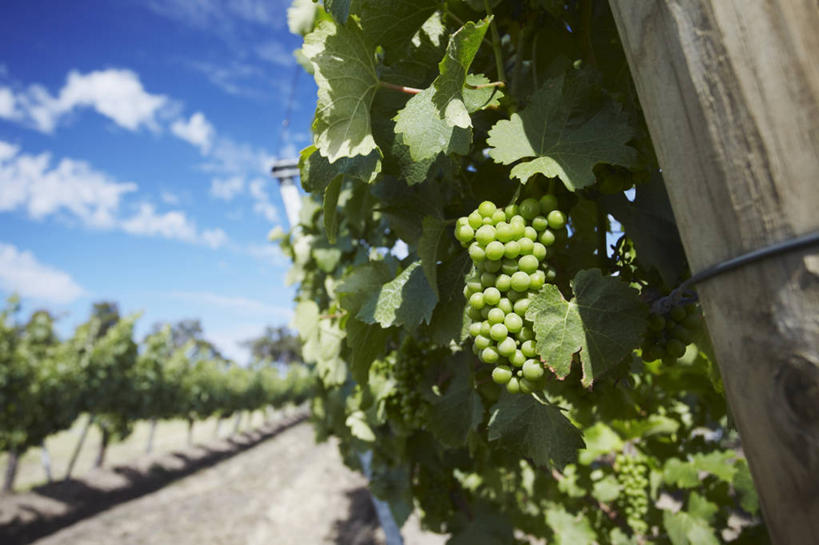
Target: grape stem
point(493, 28)
point(485, 85)
point(402, 88)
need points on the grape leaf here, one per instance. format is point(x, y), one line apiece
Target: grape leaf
point(305, 319)
point(360, 284)
point(331, 208)
point(344, 70)
point(426, 133)
point(453, 415)
point(407, 300)
point(449, 85)
point(316, 172)
point(569, 529)
point(537, 431)
point(428, 245)
point(558, 145)
point(366, 343)
point(359, 428)
point(486, 527)
point(685, 529)
point(340, 9)
point(604, 322)
point(482, 98)
point(393, 23)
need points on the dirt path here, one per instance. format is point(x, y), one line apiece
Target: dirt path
point(286, 490)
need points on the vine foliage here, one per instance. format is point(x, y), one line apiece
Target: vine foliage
point(428, 113)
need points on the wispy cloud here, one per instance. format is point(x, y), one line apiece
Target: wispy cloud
point(227, 188)
point(75, 189)
point(262, 204)
point(239, 304)
point(197, 131)
point(113, 93)
point(20, 272)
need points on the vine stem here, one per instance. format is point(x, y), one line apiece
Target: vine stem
point(402, 88)
point(485, 85)
point(493, 28)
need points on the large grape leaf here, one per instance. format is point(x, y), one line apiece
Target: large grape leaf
point(316, 171)
point(449, 85)
point(534, 430)
point(340, 9)
point(393, 23)
point(459, 410)
point(362, 282)
point(569, 529)
point(433, 231)
point(330, 203)
point(686, 529)
point(407, 300)
point(602, 324)
point(479, 98)
point(366, 342)
point(557, 145)
point(344, 70)
point(426, 133)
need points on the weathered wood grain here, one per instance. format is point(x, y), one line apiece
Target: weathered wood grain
point(730, 90)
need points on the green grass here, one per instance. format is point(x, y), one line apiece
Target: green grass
point(170, 435)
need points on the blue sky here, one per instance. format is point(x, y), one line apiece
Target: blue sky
point(136, 139)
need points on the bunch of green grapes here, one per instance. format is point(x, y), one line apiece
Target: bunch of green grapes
point(632, 474)
point(405, 404)
point(509, 249)
point(669, 334)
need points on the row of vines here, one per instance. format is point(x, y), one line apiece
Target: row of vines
point(101, 371)
point(486, 263)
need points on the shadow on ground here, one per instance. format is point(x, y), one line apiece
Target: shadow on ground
point(361, 525)
point(46, 509)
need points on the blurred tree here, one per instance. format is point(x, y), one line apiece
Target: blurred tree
point(275, 344)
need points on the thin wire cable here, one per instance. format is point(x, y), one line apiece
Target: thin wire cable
point(684, 294)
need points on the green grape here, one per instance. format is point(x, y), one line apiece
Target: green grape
point(509, 266)
point(507, 347)
point(476, 301)
point(529, 208)
point(513, 386)
point(504, 282)
point(682, 334)
point(491, 295)
point(494, 250)
point(528, 386)
point(518, 230)
point(491, 266)
point(485, 328)
point(526, 246)
point(485, 234)
point(485, 312)
point(503, 232)
point(675, 348)
point(487, 279)
point(513, 295)
point(510, 210)
point(530, 233)
point(656, 322)
point(547, 238)
point(632, 476)
point(528, 264)
point(526, 334)
point(498, 332)
point(536, 280)
point(496, 316)
point(528, 348)
point(489, 355)
point(518, 220)
point(512, 249)
point(520, 281)
point(498, 217)
point(513, 323)
point(517, 359)
point(539, 251)
point(474, 329)
point(505, 305)
point(550, 274)
point(547, 204)
point(678, 314)
point(521, 306)
point(501, 374)
point(474, 314)
point(540, 223)
point(533, 370)
point(486, 209)
point(556, 219)
point(482, 342)
point(475, 220)
point(476, 253)
point(464, 234)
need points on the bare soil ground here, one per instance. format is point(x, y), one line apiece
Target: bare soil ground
point(274, 487)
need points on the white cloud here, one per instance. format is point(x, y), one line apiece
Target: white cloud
point(20, 272)
point(173, 225)
point(74, 188)
point(262, 204)
point(222, 16)
point(30, 182)
point(114, 93)
point(196, 131)
point(227, 188)
point(169, 198)
point(274, 52)
point(269, 253)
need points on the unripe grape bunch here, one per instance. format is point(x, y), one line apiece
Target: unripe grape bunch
point(669, 334)
point(632, 475)
point(509, 249)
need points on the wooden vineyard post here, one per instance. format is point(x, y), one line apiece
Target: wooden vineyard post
point(730, 91)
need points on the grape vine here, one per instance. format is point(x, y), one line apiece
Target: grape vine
point(484, 231)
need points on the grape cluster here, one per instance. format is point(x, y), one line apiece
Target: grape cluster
point(404, 404)
point(669, 334)
point(509, 248)
point(632, 476)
